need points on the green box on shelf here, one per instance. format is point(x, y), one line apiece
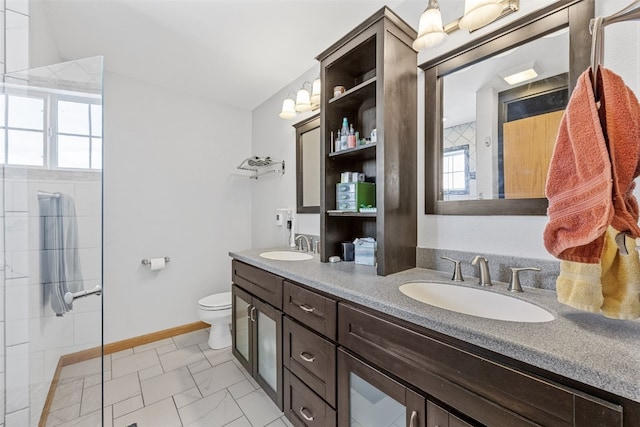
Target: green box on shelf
point(351, 195)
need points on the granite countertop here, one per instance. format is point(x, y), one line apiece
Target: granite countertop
point(589, 348)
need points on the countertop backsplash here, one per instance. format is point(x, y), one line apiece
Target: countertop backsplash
point(499, 267)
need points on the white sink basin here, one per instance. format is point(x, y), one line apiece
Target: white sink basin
point(476, 302)
point(286, 255)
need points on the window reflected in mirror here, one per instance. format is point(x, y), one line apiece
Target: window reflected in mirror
point(500, 119)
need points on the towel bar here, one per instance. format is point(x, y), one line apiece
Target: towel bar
point(147, 262)
point(70, 296)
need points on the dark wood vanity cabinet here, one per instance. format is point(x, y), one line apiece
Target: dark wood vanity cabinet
point(257, 327)
point(335, 363)
point(309, 356)
point(488, 392)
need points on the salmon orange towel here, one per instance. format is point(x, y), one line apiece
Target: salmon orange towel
point(595, 160)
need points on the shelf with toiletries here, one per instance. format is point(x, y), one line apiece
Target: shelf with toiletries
point(339, 213)
point(365, 151)
point(356, 95)
point(370, 81)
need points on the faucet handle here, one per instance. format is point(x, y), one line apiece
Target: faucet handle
point(457, 272)
point(514, 283)
point(316, 246)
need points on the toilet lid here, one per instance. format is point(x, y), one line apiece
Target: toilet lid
point(216, 301)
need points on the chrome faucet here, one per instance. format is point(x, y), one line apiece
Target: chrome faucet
point(457, 272)
point(514, 283)
point(298, 242)
point(484, 278)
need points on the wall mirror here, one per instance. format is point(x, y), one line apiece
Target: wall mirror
point(308, 165)
point(493, 111)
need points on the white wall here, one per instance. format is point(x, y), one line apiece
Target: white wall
point(169, 191)
point(275, 137)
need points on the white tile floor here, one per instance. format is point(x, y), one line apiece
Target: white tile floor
point(174, 382)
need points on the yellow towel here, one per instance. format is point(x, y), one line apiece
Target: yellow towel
point(611, 287)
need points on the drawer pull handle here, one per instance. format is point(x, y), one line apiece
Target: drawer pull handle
point(413, 420)
point(307, 357)
point(303, 412)
point(306, 308)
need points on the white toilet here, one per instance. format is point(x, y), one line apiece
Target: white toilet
point(216, 311)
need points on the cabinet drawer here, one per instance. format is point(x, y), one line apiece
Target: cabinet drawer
point(311, 358)
point(489, 392)
point(311, 309)
point(264, 285)
point(303, 407)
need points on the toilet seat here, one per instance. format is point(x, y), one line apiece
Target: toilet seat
point(221, 301)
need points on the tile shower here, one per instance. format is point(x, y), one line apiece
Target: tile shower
point(32, 337)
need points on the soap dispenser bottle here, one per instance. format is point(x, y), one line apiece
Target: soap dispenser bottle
point(351, 140)
point(344, 134)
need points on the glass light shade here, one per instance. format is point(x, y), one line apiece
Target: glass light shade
point(430, 32)
point(478, 13)
point(288, 109)
point(303, 101)
point(315, 92)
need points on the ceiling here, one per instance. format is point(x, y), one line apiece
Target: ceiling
point(238, 52)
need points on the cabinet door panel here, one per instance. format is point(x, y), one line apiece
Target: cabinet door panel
point(311, 358)
point(268, 350)
point(367, 397)
point(436, 416)
point(241, 327)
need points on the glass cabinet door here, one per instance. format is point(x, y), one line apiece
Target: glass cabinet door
point(268, 349)
point(241, 326)
point(367, 397)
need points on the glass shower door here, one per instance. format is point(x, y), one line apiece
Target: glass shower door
point(51, 245)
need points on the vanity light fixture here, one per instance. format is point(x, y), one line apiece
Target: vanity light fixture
point(304, 101)
point(288, 109)
point(430, 30)
point(520, 73)
point(477, 14)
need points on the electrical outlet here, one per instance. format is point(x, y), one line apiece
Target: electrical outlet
point(279, 219)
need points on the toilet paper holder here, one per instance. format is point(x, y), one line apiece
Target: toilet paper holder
point(147, 262)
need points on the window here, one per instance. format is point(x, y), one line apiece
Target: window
point(73, 124)
point(79, 135)
point(455, 170)
point(23, 136)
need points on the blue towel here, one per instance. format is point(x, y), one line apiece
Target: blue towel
point(60, 270)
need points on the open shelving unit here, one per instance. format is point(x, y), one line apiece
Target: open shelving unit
point(378, 67)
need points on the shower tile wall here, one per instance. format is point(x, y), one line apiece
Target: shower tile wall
point(14, 37)
point(35, 338)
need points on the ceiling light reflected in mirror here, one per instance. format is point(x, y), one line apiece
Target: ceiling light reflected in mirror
point(520, 73)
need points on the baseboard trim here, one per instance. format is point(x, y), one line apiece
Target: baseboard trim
point(92, 353)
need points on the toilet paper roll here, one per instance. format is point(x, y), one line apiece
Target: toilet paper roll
point(157, 264)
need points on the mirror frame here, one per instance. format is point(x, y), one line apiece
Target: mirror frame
point(303, 127)
point(576, 14)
